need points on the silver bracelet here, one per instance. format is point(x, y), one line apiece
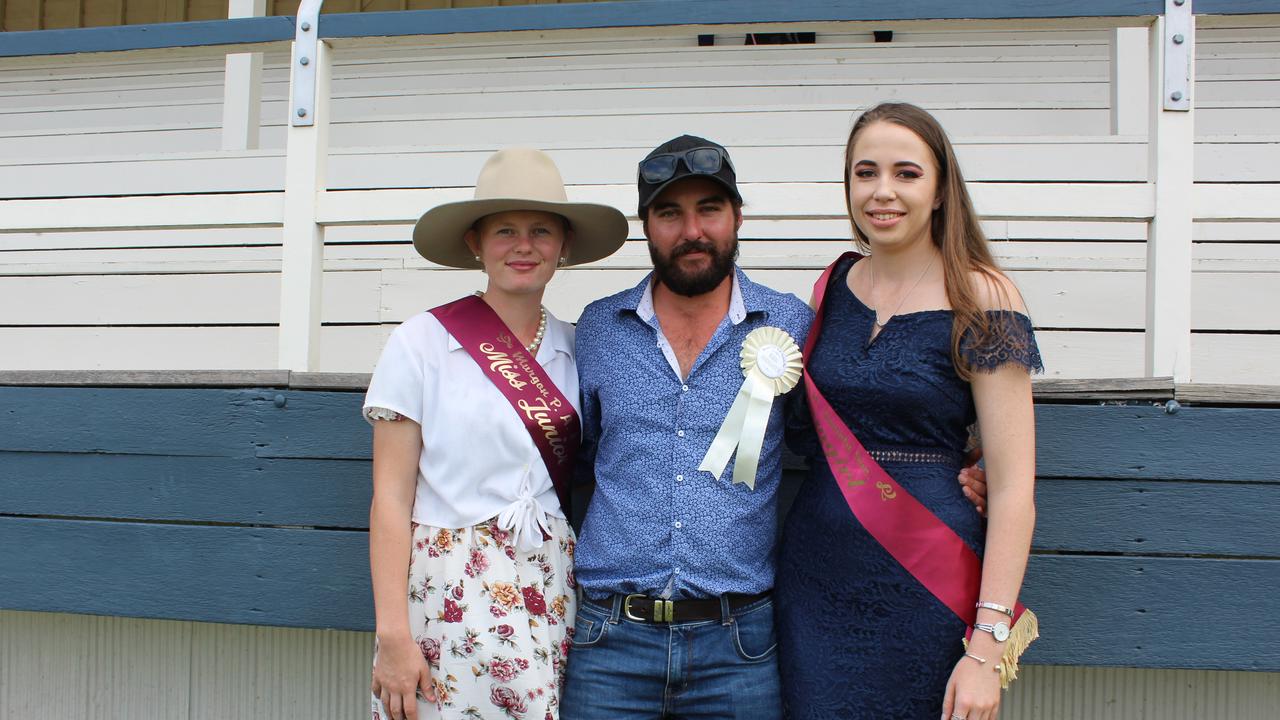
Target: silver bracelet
point(994, 606)
point(982, 661)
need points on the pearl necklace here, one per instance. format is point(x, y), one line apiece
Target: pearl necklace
point(542, 330)
point(542, 326)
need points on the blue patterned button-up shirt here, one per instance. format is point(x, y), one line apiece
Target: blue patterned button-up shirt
point(656, 524)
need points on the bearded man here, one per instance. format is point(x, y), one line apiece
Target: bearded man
point(675, 564)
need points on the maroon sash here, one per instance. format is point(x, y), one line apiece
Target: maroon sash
point(924, 545)
point(547, 414)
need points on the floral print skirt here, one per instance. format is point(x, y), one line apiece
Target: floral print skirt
point(493, 622)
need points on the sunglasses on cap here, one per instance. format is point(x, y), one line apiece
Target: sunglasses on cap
point(699, 160)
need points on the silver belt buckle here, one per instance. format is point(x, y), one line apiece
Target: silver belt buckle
point(663, 610)
point(626, 607)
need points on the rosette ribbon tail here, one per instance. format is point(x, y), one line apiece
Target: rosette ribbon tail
point(753, 426)
point(742, 431)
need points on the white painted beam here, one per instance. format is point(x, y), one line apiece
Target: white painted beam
point(151, 212)
point(242, 87)
point(1132, 201)
point(307, 148)
point(1129, 58)
point(1169, 245)
point(246, 8)
point(1238, 202)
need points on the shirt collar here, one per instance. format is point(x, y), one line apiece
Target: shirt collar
point(738, 306)
point(556, 337)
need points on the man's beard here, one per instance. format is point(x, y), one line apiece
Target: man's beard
point(690, 284)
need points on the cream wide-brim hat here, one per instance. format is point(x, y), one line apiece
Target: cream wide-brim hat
point(518, 179)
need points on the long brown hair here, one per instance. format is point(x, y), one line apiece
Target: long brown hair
point(954, 228)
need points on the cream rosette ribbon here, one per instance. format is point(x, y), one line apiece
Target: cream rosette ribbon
point(771, 366)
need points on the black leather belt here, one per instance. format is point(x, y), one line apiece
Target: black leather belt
point(642, 608)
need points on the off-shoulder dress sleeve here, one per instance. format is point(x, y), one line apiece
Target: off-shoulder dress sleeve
point(1011, 341)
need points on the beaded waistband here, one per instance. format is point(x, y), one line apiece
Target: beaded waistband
point(919, 457)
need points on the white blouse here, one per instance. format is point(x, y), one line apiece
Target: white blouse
point(478, 460)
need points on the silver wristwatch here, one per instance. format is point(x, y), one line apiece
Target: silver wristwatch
point(1000, 631)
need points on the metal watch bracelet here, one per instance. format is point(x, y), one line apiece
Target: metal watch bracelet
point(994, 606)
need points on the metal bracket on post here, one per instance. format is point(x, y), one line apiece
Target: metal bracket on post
point(306, 38)
point(1178, 46)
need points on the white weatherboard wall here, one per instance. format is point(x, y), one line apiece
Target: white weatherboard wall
point(188, 277)
point(1235, 289)
point(102, 668)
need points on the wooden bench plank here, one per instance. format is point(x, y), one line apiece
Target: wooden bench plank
point(1132, 611)
point(1158, 517)
point(1145, 442)
point(1150, 612)
point(253, 576)
point(1142, 442)
point(343, 348)
point(191, 423)
point(244, 491)
point(1146, 517)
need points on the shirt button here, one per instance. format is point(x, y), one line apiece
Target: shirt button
point(677, 571)
point(679, 433)
point(679, 478)
point(677, 524)
point(684, 388)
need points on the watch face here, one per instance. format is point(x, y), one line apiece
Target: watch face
point(1000, 631)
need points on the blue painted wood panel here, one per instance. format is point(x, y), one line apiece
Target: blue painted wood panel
point(249, 506)
point(144, 37)
point(219, 423)
point(713, 12)
point(1122, 442)
point(184, 422)
point(1155, 612)
point(1146, 612)
point(247, 491)
point(1158, 517)
point(578, 16)
point(1146, 443)
point(255, 576)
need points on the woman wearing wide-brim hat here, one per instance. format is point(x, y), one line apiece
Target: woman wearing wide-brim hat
point(474, 410)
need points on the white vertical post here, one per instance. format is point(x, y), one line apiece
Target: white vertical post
point(242, 86)
point(1172, 146)
point(1129, 83)
point(301, 268)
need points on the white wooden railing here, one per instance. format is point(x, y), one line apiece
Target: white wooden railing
point(1146, 174)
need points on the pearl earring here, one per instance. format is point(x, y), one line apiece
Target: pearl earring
point(561, 261)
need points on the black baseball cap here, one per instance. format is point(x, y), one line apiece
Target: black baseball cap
point(682, 157)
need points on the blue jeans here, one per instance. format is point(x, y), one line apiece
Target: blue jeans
point(620, 669)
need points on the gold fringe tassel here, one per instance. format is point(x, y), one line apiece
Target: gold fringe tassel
point(1020, 636)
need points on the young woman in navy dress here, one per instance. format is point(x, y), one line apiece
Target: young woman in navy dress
point(919, 339)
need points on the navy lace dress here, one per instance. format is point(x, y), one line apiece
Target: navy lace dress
point(860, 637)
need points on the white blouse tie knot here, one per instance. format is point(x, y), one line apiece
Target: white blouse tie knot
point(525, 518)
